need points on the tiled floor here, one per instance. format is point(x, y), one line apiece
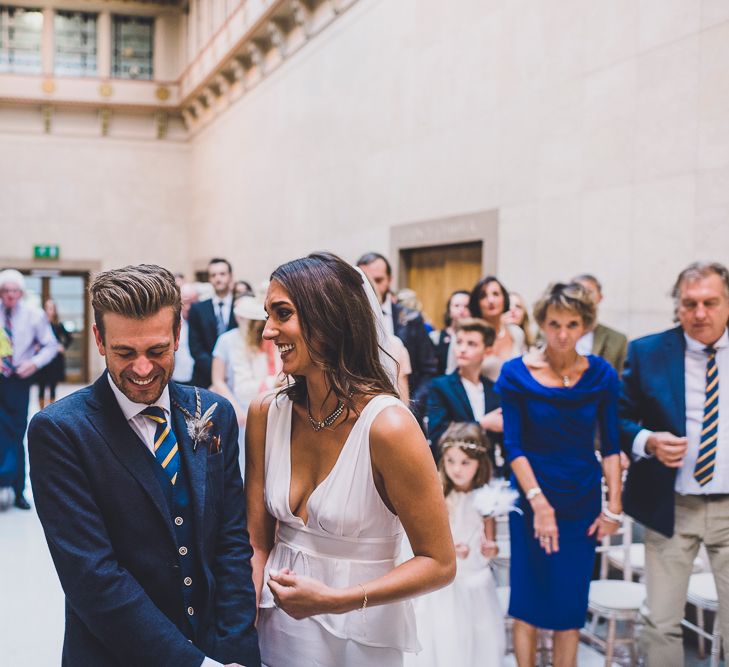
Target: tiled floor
point(31, 612)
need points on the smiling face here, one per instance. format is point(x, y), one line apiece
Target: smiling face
point(703, 308)
point(491, 301)
point(140, 354)
point(562, 329)
point(517, 311)
point(459, 468)
point(283, 328)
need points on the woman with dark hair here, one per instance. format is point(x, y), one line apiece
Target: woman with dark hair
point(444, 340)
point(489, 301)
point(336, 467)
point(553, 401)
point(55, 372)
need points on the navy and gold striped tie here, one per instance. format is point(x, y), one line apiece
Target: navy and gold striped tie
point(165, 443)
point(704, 470)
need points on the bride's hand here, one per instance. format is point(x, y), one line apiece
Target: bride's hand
point(300, 596)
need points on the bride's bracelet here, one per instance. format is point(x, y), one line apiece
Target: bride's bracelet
point(363, 608)
point(611, 516)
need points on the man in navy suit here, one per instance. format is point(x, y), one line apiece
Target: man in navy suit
point(209, 319)
point(137, 485)
point(465, 395)
point(674, 412)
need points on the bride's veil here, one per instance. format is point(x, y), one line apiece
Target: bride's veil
point(386, 348)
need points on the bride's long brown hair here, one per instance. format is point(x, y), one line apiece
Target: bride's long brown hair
point(337, 325)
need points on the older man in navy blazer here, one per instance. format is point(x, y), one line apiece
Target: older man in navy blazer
point(675, 424)
point(138, 488)
point(465, 395)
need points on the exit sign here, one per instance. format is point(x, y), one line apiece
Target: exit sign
point(46, 251)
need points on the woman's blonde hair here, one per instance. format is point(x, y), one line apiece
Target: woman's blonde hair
point(472, 441)
point(571, 297)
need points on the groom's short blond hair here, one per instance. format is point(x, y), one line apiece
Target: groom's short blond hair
point(137, 292)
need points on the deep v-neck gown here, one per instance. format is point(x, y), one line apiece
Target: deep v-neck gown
point(351, 537)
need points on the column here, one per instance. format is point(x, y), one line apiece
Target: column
point(103, 45)
point(47, 48)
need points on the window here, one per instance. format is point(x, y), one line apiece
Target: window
point(132, 47)
point(20, 40)
point(75, 41)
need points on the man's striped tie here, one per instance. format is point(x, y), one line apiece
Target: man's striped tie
point(165, 443)
point(704, 470)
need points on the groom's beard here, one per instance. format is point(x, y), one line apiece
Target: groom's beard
point(149, 393)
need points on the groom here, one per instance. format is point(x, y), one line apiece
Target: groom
point(137, 485)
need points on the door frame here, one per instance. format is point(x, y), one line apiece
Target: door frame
point(468, 228)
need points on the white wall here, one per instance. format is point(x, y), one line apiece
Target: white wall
point(599, 130)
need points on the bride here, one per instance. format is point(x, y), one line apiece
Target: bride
point(336, 467)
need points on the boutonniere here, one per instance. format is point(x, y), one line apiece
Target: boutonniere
point(199, 425)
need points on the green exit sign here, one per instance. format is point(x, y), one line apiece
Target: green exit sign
point(46, 251)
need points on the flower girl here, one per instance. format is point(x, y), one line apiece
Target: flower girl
point(463, 624)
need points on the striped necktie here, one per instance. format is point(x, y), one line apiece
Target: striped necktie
point(165, 443)
point(704, 470)
point(8, 368)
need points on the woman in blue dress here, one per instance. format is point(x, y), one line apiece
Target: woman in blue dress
point(553, 402)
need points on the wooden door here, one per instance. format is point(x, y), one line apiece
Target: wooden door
point(438, 271)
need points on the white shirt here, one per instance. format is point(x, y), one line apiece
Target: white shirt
point(475, 397)
point(387, 319)
point(183, 359)
point(695, 361)
point(145, 429)
point(584, 345)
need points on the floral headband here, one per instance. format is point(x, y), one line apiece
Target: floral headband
point(465, 445)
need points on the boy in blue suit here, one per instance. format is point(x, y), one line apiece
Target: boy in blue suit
point(465, 395)
point(138, 488)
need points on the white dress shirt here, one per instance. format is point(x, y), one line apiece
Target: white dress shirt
point(695, 361)
point(183, 359)
point(145, 429)
point(585, 343)
point(475, 397)
point(387, 319)
point(227, 306)
point(33, 338)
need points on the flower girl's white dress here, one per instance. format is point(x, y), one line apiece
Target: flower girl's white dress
point(462, 624)
point(351, 537)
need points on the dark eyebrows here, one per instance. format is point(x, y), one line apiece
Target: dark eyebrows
point(276, 304)
point(127, 348)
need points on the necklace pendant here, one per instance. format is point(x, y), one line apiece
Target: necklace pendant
point(565, 380)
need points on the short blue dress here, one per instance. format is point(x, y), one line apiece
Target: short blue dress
point(555, 428)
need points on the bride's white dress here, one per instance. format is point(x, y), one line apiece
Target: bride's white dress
point(351, 537)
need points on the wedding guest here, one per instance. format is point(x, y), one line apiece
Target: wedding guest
point(465, 395)
point(408, 298)
point(489, 301)
point(52, 374)
point(553, 401)
point(244, 365)
point(519, 314)
point(242, 288)
point(444, 340)
point(27, 344)
point(184, 363)
point(336, 466)
point(601, 340)
point(674, 411)
point(407, 325)
point(404, 368)
point(211, 318)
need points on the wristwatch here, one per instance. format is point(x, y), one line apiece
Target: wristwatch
point(533, 493)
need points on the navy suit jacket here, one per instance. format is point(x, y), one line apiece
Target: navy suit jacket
point(203, 334)
point(448, 402)
point(409, 327)
point(653, 396)
point(111, 537)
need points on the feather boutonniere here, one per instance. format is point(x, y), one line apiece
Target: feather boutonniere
point(199, 424)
